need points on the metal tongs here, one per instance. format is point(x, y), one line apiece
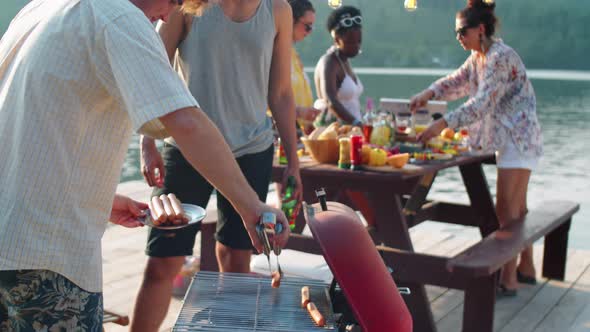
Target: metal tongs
point(268, 223)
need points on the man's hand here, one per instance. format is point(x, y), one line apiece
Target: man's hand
point(125, 211)
point(251, 222)
point(151, 160)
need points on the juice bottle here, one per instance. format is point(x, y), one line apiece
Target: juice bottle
point(288, 205)
point(403, 122)
point(422, 120)
point(368, 120)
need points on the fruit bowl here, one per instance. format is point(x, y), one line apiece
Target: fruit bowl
point(322, 150)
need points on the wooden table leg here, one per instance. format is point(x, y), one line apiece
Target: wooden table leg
point(478, 309)
point(415, 202)
point(555, 253)
point(393, 230)
point(481, 199)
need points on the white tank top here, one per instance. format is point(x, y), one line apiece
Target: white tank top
point(350, 92)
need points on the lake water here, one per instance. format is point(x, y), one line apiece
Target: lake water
point(563, 107)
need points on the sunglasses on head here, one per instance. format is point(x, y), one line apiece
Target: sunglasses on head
point(347, 22)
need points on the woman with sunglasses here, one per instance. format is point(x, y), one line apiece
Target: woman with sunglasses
point(501, 115)
point(336, 83)
point(303, 20)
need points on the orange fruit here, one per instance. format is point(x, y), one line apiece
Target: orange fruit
point(448, 133)
point(398, 160)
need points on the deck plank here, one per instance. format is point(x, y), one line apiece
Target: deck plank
point(572, 312)
point(549, 295)
point(503, 309)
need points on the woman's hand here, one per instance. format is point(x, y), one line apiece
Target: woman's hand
point(305, 118)
point(125, 211)
point(433, 130)
point(307, 113)
point(421, 99)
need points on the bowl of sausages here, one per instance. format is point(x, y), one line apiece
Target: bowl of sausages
point(166, 212)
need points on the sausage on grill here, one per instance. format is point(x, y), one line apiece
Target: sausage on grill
point(276, 279)
point(304, 296)
point(317, 316)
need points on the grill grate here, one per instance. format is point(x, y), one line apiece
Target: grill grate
point(235, 302)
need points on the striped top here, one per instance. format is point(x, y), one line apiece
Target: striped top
point(76, 77)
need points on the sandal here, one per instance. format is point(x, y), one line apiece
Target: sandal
point(502, 291)
point(523, 279)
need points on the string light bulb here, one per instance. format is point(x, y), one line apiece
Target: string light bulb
point(489, 2)
point(411, 5)
point(334, 3)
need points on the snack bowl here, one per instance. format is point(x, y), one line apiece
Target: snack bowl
point(322, 150)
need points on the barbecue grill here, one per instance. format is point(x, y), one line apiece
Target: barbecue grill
point(362, 297)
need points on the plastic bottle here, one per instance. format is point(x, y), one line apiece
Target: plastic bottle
point(344, 155)
point(288, 205)
point(356, 145)
point(281, 153)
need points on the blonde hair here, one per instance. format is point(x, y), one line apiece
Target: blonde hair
point(195, 7)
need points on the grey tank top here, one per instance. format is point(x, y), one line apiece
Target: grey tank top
point(227, 67)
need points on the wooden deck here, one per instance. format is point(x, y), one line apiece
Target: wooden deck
point(548, 306)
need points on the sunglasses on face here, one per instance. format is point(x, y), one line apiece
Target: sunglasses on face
point(347, 22)
point(463, 31)
point(308, 27)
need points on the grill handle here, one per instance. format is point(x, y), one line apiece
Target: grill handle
point(321, 195)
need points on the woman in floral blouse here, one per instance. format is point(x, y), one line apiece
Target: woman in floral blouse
point(501, 116)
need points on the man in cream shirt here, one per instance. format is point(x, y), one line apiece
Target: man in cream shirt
point(76, 78)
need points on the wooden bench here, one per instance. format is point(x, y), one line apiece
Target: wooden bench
point(478, 264)
point(475, 270)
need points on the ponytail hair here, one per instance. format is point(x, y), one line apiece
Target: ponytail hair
point(478, 12)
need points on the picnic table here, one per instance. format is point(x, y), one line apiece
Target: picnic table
point(394, 201)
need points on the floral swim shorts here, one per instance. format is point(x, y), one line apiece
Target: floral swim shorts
point(42, 300)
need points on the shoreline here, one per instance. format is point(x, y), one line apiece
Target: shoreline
point(538, 74)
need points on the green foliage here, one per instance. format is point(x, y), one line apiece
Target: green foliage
point(547, 34)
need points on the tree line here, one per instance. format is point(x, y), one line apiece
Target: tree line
point(547, 34)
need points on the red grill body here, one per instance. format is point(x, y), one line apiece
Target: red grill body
point(359, 269)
